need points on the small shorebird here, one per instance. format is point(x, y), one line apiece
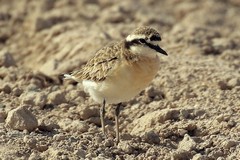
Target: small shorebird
point(121, 70)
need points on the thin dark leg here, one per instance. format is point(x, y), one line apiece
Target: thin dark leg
point(102, 115)
point(117, 112)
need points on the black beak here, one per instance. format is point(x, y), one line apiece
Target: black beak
point(150, 45)
point(159, 49)
point(156, 48)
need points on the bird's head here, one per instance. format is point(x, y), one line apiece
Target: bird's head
point(144, 41)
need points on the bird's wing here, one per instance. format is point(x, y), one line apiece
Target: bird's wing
point(99, 66)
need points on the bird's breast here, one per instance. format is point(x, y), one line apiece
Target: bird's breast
point(128, 79)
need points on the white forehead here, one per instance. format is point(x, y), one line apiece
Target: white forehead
point(135, 36)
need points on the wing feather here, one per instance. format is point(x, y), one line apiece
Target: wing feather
point(99, 66)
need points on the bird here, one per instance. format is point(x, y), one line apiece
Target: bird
point(121, 70)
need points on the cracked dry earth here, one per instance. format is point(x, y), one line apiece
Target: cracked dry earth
point(191, 110)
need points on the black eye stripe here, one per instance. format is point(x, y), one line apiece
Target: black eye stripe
point(155, 38)
point(136, 42)
point(128, 44)
point(141, 40)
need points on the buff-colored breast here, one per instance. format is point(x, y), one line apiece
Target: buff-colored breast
point(125, 81)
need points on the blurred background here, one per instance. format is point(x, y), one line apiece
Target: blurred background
point(56, 36)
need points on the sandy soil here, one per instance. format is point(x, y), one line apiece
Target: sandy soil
point(191, 110)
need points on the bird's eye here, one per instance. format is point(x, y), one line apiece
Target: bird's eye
point(142, 40)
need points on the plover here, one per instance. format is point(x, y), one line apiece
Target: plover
point(121, 70)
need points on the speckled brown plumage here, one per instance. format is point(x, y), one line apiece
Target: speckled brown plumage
point(106, 59)
point(98, 68)
point(148, 31)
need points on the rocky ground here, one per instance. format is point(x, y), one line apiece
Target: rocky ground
point(191, 110)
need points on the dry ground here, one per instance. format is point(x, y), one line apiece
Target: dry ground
point(191, 110)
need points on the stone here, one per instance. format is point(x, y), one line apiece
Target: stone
point(6, 88)
point(34, 156)
point(59, 137)
point(182, 132)
point(80, 153)
point(6, 59)
point(125, 146)
point(151, 137)
point(88, 112)
point(17, 92)
point(151, 118)
point(181, 155)
point(57, 97)
point(230, 143)
point(234, 82)
point(198, 156)
point(30, 141)
point(47, 125)
point(3, 116)
point(187, 143)
point(223, 85)
point(153, 94)
point(41, 147)
point(74, 126)
point(40, 100)
point(21, 118)
point(108, 142)
point(34, 99)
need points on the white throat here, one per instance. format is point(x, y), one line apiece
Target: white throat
point(144, 51)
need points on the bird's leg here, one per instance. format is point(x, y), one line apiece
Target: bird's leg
point(117, 111)
point(102, 115)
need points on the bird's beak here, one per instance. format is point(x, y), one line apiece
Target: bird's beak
point(156, 48)
point(160, 50)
